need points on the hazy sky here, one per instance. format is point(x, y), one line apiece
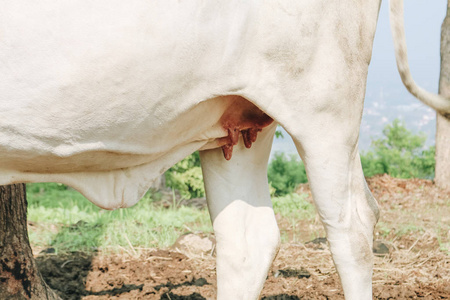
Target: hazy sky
point(385, 91)
point(386, 97)
point(423, 19)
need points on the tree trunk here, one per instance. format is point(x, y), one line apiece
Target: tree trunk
point(442, 176)
point(19, 277)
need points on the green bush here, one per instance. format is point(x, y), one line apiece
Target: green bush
point(285, 173)
point(186, 177)
point(399, 153)
point(295, 206)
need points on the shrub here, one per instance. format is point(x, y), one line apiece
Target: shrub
point(285, 173)
point(399, 153)
point(186, 177)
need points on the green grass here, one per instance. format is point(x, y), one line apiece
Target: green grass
point(66, 221)
point(63, 219)
point(294, 206)
point(294, 210)
point(424, 218)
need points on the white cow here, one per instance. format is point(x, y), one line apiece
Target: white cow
point(106, 95)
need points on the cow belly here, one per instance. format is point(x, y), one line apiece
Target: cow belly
point(51, 144)
point(107, 189)
point(115, 156)
point(82, 162)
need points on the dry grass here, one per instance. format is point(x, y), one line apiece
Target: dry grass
point(414, 225)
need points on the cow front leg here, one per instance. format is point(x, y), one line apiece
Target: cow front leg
point(346, 208)
point(239, 203)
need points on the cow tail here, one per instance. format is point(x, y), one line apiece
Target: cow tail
point(435, 101)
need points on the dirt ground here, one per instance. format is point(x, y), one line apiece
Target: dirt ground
point(413, 265)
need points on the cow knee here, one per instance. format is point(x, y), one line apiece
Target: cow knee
point(366, 207)
point(355, 222)
point(247, 235)
point(349, 214)
point(248, 240)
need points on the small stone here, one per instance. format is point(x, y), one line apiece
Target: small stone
point(380, 249)
point(194, 243)
point(302, 273)
point(48, 250)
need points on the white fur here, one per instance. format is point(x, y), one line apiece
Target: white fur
point(106, 95)
point(246, 231)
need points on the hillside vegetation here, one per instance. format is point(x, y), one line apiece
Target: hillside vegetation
point(398, 153)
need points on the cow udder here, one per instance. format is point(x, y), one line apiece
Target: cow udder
point(244, 118)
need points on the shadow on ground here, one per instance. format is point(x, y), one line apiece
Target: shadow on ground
point(67, 274)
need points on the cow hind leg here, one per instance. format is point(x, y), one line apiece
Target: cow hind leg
point(345, 205)
point(246, 231)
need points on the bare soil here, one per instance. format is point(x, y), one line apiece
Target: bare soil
point(411, 262)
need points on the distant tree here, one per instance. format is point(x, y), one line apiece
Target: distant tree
point(399, 153)
point(285, 173)
point(279, 133)
point(441, 102)
point(442, 177)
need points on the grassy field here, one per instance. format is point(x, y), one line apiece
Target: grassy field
point(61, 218)
point(107, 251)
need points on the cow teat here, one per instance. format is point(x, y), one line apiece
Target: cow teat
point(242, 117)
